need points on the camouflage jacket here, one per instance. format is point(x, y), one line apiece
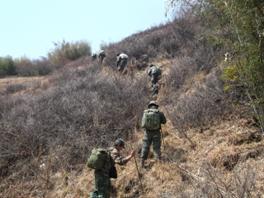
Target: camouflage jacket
point(117, 157)
point(162, 118)
point(154, 71)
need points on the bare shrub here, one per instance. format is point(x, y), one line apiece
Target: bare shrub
point(65, 52)
point(15, 88)
point(86, 109)
point(167, 40)
point(182, 69)
point(212, 183)
point(194, 102)
point(27, 67)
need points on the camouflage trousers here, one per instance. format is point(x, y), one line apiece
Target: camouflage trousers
point(101, 59)
point(154, 89)
point(154, 79)
point(154, 138)
point(121, 65)
point(102, 186)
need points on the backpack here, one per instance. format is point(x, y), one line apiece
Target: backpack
point(151, 119)
point(98, 158)
point(156, 71)
point(113, 171)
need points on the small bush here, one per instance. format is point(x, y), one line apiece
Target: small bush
point(66, 51)
point(27, 67)
point(15, 88)
point(7, 66)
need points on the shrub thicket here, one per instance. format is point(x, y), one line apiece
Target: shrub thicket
point(162, 41)
point(7, 66)
point(62, 54)
point(193, 97)
point(67, 51)
point(193, 89)
point(85, 109)
point(15, 88)
point(39, 67)
point(238, 25)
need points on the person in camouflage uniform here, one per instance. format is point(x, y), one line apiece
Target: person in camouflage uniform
point(152, 136)
point(94, 57)
point(155, 89)
point(154, 73)
point(102, 177)
point(102, 181)
point(101, 56)
point(121, 61)
point(116, 153)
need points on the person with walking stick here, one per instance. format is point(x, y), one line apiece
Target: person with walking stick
point(103, 162)
point(119, 145)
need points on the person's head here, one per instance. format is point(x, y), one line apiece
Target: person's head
point(153, 105)
point(119, 144)
point(151, 65)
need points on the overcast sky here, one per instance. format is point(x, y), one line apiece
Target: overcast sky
point(29, 27)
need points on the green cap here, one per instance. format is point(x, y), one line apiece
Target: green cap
point(120, 142)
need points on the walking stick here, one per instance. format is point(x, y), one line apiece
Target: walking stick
point(162, 138)
point(139, 178)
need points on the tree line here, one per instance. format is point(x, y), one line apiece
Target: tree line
point(62, 53)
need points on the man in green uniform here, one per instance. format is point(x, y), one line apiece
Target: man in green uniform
point(102, 182)
point(108, 171)
point(154, 73)
point(151, 123)
point(121, 61)
point(101, 56)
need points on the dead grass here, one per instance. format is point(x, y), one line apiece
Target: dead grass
point(195, 176)
point(30, 83)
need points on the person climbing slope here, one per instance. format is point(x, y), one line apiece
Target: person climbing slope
point(151, 123)
point(154, 73)
point(103, 162)
point(121, 61)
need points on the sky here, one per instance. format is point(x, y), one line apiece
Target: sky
point(30, 27)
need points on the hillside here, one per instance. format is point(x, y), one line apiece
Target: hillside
point(226, 161)
point(212, 145)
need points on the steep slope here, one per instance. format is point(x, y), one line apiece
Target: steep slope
point(222, 160)
point(211, 147)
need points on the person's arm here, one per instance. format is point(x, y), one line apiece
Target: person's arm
point(143, 120)
point(118, 61)
point(162, 118)
point(127, 158)
point(121, 160)
point(149, 72)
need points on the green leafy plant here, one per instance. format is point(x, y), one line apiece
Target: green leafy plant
point(7, 66)
point(239, 25)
